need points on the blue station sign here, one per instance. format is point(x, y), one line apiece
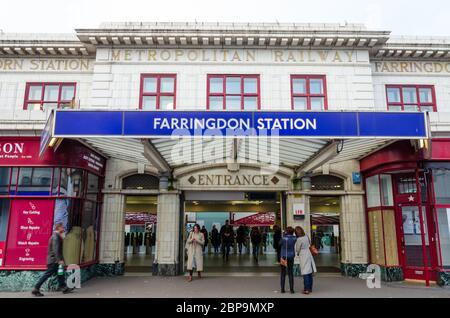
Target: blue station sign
point(163, 124)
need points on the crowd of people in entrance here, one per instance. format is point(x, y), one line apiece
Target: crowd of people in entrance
point(293, 248)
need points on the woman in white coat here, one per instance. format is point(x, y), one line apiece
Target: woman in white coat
point(194, 246)
point(307, 264)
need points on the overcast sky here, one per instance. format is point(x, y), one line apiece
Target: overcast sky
point(402, 17)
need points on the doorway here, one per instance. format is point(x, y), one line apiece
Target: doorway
point(247, 213)
point(325, 231)
point(140, 232)
point(416, 229)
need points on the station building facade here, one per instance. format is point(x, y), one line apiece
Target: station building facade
point(392, 193)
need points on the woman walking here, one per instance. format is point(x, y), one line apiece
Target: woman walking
point(287, 250)
point(307, 264)
point(194, 246)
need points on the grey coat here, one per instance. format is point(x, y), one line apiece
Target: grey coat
point(195, 251)
point(307, 264)
point(55, 249)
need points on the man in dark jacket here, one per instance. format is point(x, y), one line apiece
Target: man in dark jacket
point(54, 259)
point(276, 241)
point(227, 235)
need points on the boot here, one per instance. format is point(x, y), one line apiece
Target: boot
point(37, 293)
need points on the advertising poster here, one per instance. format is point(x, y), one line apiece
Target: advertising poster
point(29, 231)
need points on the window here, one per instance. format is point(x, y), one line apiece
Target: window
point(443, 218)
point(373, 191)
point(327, 183)
point(4, 180)
point(34, 181)
point(41, 96)
point(309, 92)
point(158, 91)
point(233, 92)
point(411, 98)
point(4, 216)
point(441, 178)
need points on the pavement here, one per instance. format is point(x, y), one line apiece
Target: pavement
point(239, 286)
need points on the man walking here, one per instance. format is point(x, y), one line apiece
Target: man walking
point(227, 235)
point(54, 259)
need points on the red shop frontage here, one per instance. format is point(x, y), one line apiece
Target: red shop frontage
point(408, 210)
point(62, 186)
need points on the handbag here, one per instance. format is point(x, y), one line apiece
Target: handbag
point(312, 248)
point(283, 261)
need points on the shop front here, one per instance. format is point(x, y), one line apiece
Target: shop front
point(37, 192)
point(408, 212)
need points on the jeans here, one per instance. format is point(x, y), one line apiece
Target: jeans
point(308, 282)
point(240, 247)
point(290, 272)
point(255, 251)
point(226, 249)
point(51, 270)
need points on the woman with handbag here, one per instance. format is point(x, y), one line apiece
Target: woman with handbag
point(194, 246)
point(305, 251)
point(287, 249)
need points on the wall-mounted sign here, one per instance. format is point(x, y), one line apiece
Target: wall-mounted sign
point(299, 210)
point(30, 228)
point(356, 177)
point(163, 124)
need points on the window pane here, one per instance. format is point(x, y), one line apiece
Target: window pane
point(51, 93)
point(34, 181)
point(4, 180)
point(411, 108)
point(150, 85)
point(250, 86)
point(427, 108)
point(442, 185)
point(4, 217)
point(317, 103)
point(149, 103)
point(92, 187)
point(71, 182)
point(373, 191)
point(393, 95)
point(167, 85)
point(386, 187)
point(166, 103)
point(409, 95)
point(67, 92)
point(88, 232)
point(233, 103)
point(299, 86)
point(216, 85)
point(233, 85)
point(56, 175)
point(216, 103)
point(395, 108)
point(69, 212)
point(300, 103)
point(443, 216)
point(35, 92)
point(47, 106)
point(34, 107)
point(316, 86)
point(425, 95)
point(251, 103)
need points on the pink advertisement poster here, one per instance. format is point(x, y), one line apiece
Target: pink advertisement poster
point(2, 253)
point(30, 227)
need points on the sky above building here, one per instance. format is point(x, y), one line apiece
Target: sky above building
point(402, 17)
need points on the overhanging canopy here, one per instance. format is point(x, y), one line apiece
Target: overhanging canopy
point(178, 138)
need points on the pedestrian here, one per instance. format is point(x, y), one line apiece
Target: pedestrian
point(264, 240)
point(227, 236)
point(194, 246)
point(215, 239)
point(241, 237)
point(276, 241)
point(205, 235)
point(287, 244)
point(256, 238)
point(307, 264)
point(55, 259)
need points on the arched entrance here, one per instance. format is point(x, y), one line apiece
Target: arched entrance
point(140, 209)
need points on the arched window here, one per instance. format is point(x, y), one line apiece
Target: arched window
point(140, 182)
point(327, 183)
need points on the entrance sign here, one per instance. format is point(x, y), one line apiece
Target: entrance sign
point(164, 124)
